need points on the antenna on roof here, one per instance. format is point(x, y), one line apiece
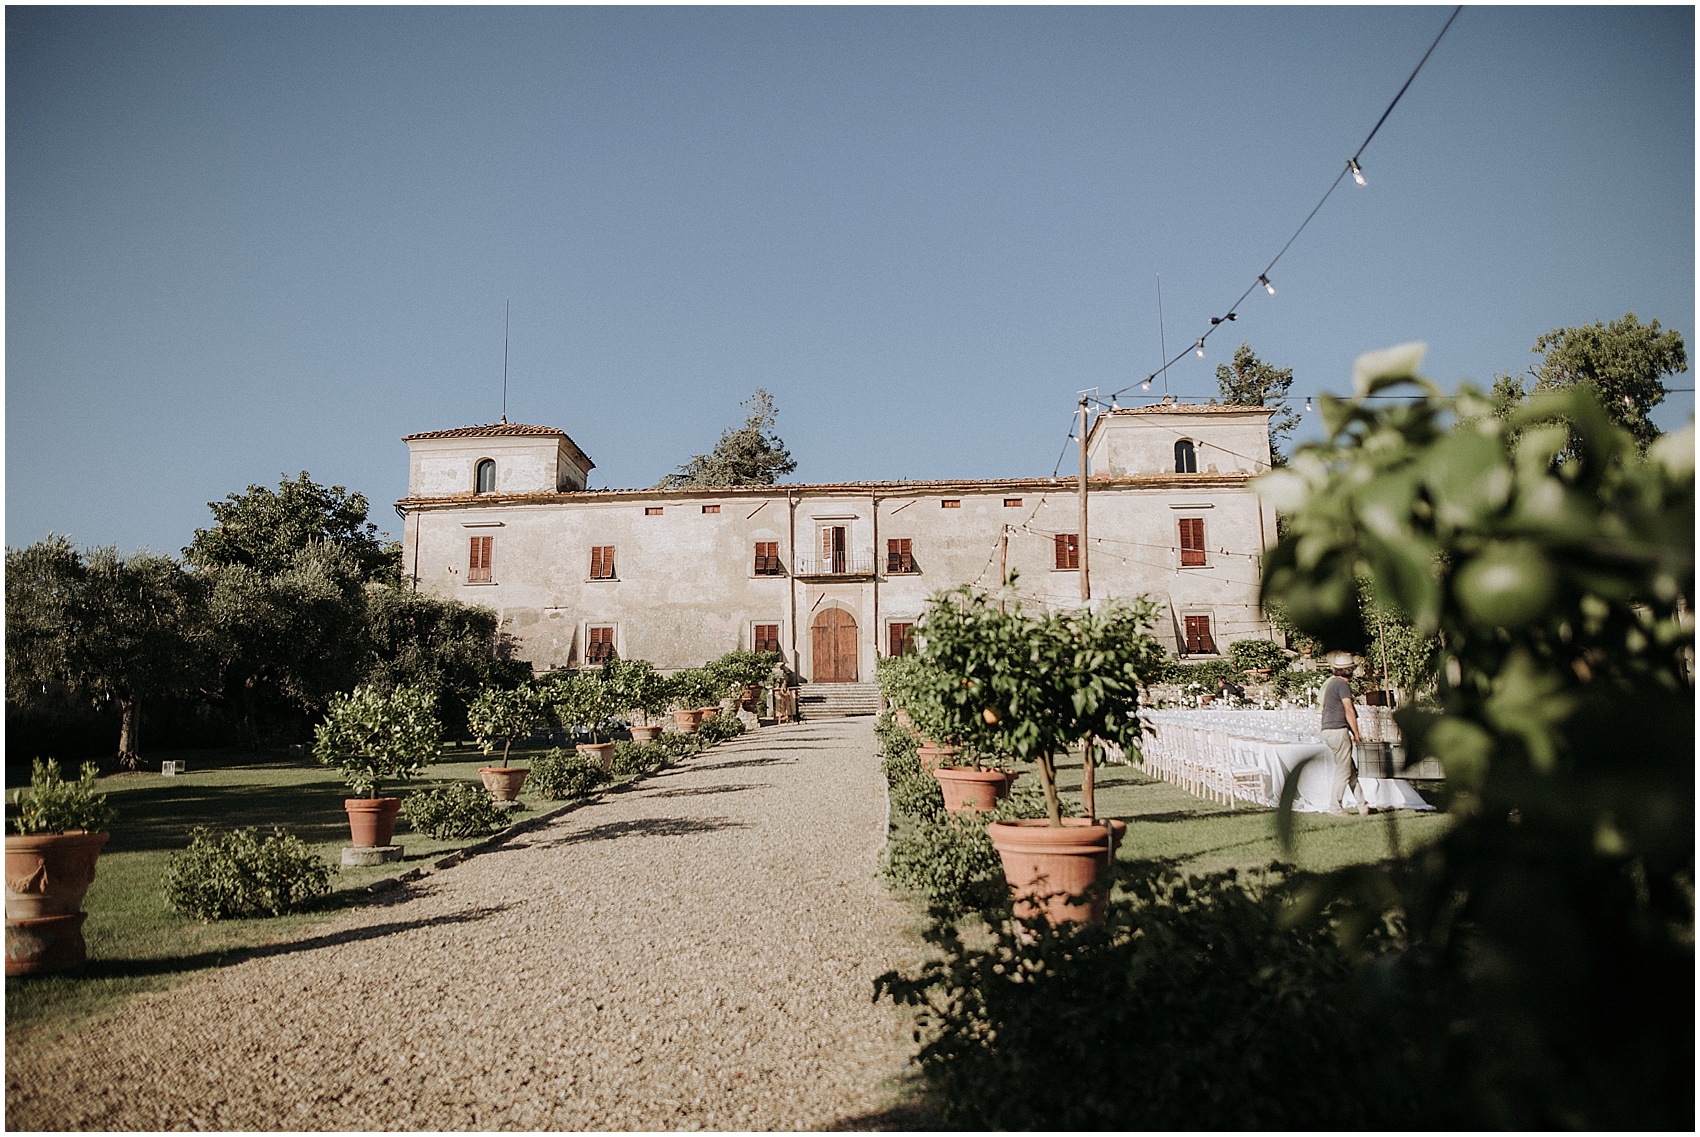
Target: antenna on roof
point(506, 304)
point(1162, 344)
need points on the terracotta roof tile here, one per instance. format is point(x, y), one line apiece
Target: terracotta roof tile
point(1192, 409)
point(483, 431)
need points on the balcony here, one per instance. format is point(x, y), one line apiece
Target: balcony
point(834, 566)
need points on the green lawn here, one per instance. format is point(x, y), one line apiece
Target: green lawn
point(135, 944)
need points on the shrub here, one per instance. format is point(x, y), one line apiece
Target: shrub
point(54, 805)
point(1229, 1012)
point(236, 875)
point(950, 861)
point(910, 788)
point(376, 736)
point(1292, 682)
point(635, 757)
point(562, 774)
point(1209, 674)
point(452, 812)
point(675, 744)
point(719, 728)
point(1248, 655)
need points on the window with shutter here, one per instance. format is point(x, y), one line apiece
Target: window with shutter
point(1186, 460)
point(652, 511)
point(766, 637)
point(1068, 550)
point(899, 555)
point(901, 638)
point(599, 644)
point(951, 503)
point(1192, 542)
point(478, 560)
point(767, 559)
point(1198, 639)
point(833, 554)
point(602, 562)
point(711, 509)
point(485, 478)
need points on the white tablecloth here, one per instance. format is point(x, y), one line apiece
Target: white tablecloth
point(1277, 760)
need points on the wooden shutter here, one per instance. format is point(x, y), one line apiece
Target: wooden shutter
point(899, 556)
point(1192, 541)
point(600, 648)
point(1198, 640)
point(1068, 550)
point(478, 560)
point(767, 637)
point(901, 638)
point(602, 562)
point(767, 558)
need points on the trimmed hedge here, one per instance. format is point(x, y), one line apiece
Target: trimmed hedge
point(236, 875)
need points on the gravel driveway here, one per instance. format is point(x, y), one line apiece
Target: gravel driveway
point(696, 952)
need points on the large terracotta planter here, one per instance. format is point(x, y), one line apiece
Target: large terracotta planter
point(45, 943)
point(599, 752)
point(687, 721)
point(645, 733)
point(708, 713)
point(371, 820)
point(503, 782)
point(751, 696)
point(935, 754)
point(1045, 866)
point(966, 788)
point(48, 874)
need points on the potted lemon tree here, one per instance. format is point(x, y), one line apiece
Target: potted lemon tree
point(372, 737)
point(50, 863)
point(505, 716)
point(642, 695)
point(584, 704)
point(1031, 686)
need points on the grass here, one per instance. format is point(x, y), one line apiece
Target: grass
point(136, 944)
point(1169, 826)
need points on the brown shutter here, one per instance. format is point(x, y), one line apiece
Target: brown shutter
point(595, 562)
point(478, 559)
point(1192, 541)
point(1068, 550)
point(899, 638)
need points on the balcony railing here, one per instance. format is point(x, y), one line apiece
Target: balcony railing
point(834, 564)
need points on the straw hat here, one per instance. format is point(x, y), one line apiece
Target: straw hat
point(1341, 660)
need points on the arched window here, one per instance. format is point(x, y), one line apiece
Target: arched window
point(486, 475)
point(1186, 462)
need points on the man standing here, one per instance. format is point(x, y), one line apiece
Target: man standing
point(1339, 731)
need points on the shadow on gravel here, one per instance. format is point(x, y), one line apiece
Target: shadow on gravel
point(200, 961)
point(644, 827)
point(775, 761)
point(705, 791)
point(903, 1118)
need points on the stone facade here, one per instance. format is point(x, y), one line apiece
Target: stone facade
point(829, 575)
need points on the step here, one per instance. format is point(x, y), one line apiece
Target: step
point(838, 700)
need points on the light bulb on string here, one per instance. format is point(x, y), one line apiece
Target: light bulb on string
point(1267, 287)
point(1200, 349)
point(1145, 386)
point(1307, 402)
point(1357, 174)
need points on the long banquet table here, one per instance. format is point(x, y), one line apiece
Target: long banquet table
point(1252, 754)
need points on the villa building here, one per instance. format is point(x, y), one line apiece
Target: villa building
point(833, 576)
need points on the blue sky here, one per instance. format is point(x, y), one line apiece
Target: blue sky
point(244, 242)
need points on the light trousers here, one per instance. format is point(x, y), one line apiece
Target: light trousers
point(1345, 771)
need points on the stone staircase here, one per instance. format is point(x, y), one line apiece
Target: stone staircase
point(837, 700)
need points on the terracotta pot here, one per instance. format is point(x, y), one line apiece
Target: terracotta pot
point(371, 820)
point(45, 943)
point(600, 752)
point(687, 721)
point(966, 788)
point(48, 874)
point(503, 782)
point(1046, 866)
point(752, 694)
point(902, 717)
point(708, 713)
point(645, 733)
point(935, 754)
point(1206, 700)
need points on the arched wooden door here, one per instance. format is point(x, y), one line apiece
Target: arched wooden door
point(835, 647)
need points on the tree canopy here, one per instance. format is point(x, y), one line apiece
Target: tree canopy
point(1250, 382)
point(264, 529)
point(749, 455)
point(1624, 362)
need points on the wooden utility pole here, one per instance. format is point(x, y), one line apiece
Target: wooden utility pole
point(1085, 570)
point(1003, 565)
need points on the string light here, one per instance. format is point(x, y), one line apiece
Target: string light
point(1145, 386)
point(1307, 402)
point(1352, 168)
